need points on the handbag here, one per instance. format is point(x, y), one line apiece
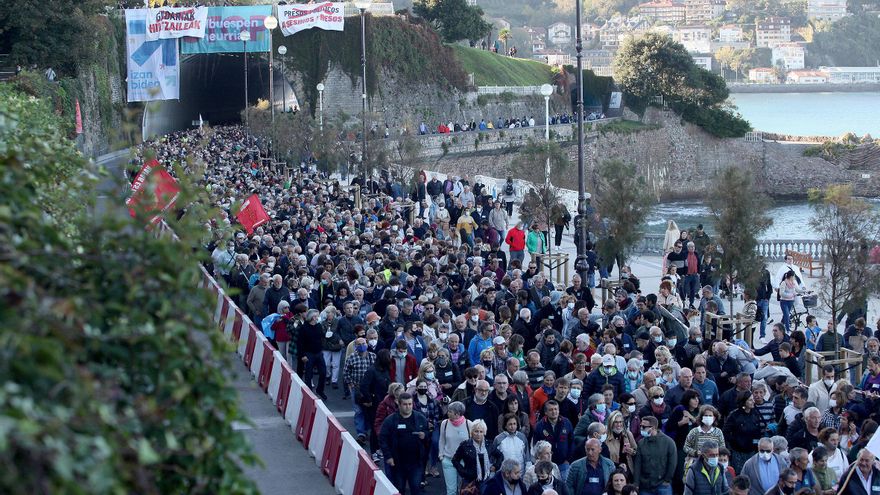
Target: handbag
point(471, 488)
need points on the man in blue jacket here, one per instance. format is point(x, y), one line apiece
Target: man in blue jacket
point(506, 481)
point(590, 474)
point(558, 431)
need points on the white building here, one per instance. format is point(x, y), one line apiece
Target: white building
point(559, 34)
point(665, 11)
point(772, 31)
point(703, 60)
point(553, 57)
point(850, 75)
point(806, 77)
point(695, 38)
point(762, 75)
point(697, 11)
point(829, 10)
point(730, 33)
point(790, 55)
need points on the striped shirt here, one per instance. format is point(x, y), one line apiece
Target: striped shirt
point(697, 437)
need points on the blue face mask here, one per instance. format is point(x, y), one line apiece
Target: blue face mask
point(600, 407)
point(645, 433)
point(712, 461)
point(550, 391)
point(361, 348)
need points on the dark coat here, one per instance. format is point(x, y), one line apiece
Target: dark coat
point(495, 485)
point(465, 460)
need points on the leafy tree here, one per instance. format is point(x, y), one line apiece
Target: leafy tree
point(455, 20)
point(505, 35)
point(654, 65)
point(853, 41)
point(740, 215)
point(725, 56)
point(847, 226)
point(623, 205)
point(112, 367)
point(61, 35)
point(531, 162)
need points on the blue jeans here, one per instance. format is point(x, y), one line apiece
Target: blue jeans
point(591, 279)
point(403, 475)
point(563, 470)
point(450, 477)
point(691, 287)
point(786, 307)
point(315, 360)
point(517, 255)
point(360, 422)
point(664, 489)
point(764, 309)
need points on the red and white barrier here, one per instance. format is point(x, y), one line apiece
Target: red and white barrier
point(347, 466)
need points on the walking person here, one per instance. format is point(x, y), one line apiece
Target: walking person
point(356, 367)
point(655, 460)
point(560, 217)
point(402, 439)
point(454, 430)
point(311, 336)
point(508, 194)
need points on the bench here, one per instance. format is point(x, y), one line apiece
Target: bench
point(806, 262)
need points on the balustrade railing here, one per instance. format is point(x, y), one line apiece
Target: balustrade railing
point(773, 249)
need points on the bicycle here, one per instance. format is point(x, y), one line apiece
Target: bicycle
point(797, 318)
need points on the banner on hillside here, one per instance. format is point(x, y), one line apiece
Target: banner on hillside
point(328, 16)
point(615, 100)
point(165, 190)
point(252, 214)
point(153, 68)
point(176, 22)
point(223, 27)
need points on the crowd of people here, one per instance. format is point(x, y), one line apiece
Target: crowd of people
point(462, 361)
point(499, 123)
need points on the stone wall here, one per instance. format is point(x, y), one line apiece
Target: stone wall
point(401, 104)
point(680, 160)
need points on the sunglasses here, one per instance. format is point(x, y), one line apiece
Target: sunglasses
point(658, 396)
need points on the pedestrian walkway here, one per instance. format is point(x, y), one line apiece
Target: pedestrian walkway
point(287, 468)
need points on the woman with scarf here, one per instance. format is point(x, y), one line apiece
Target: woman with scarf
point(633, 377)
point(454, 431)
point(429, 406)
point(621, 443)
point(656, 406)
point(475, 460)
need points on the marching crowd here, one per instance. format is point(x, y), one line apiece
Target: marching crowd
point(462, 361)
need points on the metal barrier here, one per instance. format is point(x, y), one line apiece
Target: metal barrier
point(556, 267)
point(848, 359)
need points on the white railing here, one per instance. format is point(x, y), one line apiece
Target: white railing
point(517, 90)
point(652, 244)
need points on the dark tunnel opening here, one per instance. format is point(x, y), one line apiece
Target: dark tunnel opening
point(212, 85)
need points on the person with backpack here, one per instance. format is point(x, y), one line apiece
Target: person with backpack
point(509, 195)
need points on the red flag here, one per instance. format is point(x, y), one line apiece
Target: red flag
point(79, 119)
point(252, 215)
point(165, 190)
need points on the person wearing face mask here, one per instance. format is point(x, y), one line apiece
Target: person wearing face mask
point(621, 443)
point(573, 405)
point(708, 429)
point(430, 407)
point(404, 366)
point(706, 476)
point(764, 468)
point(606, 374)
point(723, 368)
point(356, 367)
point(786, 485)
point(544, 480)
point(508, 480)
point(656, 457)
point(447, 373)
point(542, 394)
point(310, 340)
point(480, 342)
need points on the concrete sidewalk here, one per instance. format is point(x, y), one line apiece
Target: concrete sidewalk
point(288, 468)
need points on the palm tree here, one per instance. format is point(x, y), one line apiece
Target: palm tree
point(505, 35)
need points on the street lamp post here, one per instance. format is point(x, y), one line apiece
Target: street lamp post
point(320, 89)
point(362, 6)
point(270, 22)
point(546, 91)
point(282, 50)
point(245, 36)
point(580, 264)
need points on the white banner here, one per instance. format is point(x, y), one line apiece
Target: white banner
point(328, 16)
point(616, 98)
point(153, 66)
point(176, 22)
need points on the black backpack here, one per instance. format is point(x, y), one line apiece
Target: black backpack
point(508, 189)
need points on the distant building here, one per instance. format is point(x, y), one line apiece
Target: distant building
point(762, 75)
point(472, 3)
point(500, 24)
point(559, 34)
point(730, 33)
point(851, 75)
point(553, 57)
point(538, 44)
point(829, 10)
point(703, 60)
point(699, 11)
point(665, 11)
point(790, 55)
point(535, 31)
point(695, 38)
point(806, 77)
point(772, 31)
point(595, 59)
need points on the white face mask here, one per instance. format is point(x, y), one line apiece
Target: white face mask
point(832, 403)
point(828, 382)
point(603, 437)
point(658, 340)
point(658, 401)
point(443, 336)
point(766, 456)
point(475, 318)
point(328, 334)
point(708, 420)
point(570, 305)
point(671, 342)
point(631, 409)
point(372, 342)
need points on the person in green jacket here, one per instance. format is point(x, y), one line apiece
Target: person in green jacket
point(655, 460)
point(536, 243)
point(705, 476)
point(578, 475)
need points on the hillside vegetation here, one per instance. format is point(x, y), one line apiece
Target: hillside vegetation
point(491, 69)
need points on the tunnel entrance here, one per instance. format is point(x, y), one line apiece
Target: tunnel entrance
point(212, 85)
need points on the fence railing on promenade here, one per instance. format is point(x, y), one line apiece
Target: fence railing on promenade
point(517, 90)
point(652, 244)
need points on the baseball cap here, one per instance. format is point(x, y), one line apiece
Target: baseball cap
point(499, 340)
point(607, 360)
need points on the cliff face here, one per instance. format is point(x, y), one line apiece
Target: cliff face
point(679, 160)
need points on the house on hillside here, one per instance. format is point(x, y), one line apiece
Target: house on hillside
point(849, 75)
point(553, 57)
point(763, 75)
point(695, 38)
point(499, 24)
point(665, 11)
point(806, 77)
point(730, 33)
point(703, 60)
point(537, 44)
point(701, 11)
point(826, 10)
point(559, 34)
point(789, 55)
point(772, 31)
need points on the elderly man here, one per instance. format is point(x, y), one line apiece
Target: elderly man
point(356, 366)
point(863, 478)
point(685, 383)
point(763, 469)
point(507, 481)
point(480, 407)
point(590, 474)
point(808, 437)
point(705, 476)
point(257, 298)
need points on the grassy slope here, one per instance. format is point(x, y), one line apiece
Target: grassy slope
point(491, 69)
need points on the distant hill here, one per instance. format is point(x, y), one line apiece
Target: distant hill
point(491, 69)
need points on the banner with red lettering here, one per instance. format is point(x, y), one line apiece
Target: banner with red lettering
point(328, 16)
point(176, 22)
point(164, 190)
point(252, 214)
